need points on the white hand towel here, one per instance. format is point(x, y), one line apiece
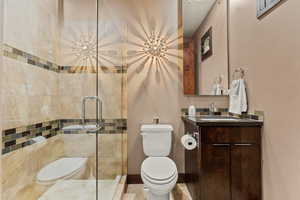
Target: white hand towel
point(238, 97)
point(217, 89)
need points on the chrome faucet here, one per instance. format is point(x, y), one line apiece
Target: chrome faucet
point(213, 108)
point(83, 114)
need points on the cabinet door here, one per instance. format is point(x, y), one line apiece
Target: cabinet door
point(246, 172)
point(216, 172)
point(192, 166)
point(192, 172)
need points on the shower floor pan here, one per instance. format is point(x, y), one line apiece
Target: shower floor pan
point(81, 190)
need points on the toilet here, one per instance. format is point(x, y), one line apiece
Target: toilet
point(62, 169)
point(158, 172)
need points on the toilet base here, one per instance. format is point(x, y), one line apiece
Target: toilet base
point(150, 196)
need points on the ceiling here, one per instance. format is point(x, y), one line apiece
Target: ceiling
point(194, 12)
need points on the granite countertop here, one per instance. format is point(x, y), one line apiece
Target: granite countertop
point(200, 121)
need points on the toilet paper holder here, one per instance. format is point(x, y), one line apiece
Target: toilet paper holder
point(196, 136)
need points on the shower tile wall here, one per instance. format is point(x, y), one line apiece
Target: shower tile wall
point(20, 168)
point(72, 87)
point(29, 92)
point(37, 21)
point(32, 94)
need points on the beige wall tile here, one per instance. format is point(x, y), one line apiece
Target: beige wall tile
point(125, 153)
point(70, 107)
point(38, 24)
point(15, 111)
point(73, 87)
point(109, 167)
point(14, 81)
point(110, 152)
point(21, 167)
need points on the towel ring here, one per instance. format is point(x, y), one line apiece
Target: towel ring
point(238, 73)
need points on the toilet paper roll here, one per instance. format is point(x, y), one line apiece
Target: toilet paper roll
point(188, 142)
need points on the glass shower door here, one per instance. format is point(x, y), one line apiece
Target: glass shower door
point(93, 67)
point(58, 56)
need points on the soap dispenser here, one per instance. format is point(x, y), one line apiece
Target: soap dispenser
point(192, 111)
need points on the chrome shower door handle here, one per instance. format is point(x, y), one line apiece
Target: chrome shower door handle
point(83, 111)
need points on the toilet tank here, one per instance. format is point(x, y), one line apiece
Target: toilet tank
point(157, 139)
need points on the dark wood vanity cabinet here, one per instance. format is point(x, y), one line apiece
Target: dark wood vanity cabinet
point(227, 163)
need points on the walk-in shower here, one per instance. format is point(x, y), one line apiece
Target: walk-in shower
point(64, 117)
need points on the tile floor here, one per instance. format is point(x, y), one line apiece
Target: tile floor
point(180, 192)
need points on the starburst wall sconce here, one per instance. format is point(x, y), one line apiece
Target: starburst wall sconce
point(85, 49)
point(155, 47)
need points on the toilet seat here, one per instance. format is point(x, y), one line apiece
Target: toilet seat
point(60, 169)
point(159, 170)
point(155, 182)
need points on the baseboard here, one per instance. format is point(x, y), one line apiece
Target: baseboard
point(181, 178)
point(136, 178)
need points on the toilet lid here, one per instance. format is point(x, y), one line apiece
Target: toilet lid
point(159, 168)
point(60, 169)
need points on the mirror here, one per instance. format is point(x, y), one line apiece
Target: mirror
point(205, 51)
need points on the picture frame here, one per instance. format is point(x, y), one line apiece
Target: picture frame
point(206, 45)
point(265, 6)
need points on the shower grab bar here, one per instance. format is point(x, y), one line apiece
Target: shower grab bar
point(83, 113)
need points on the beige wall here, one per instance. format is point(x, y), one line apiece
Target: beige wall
point(216, 65)
point(268, 50)
point(1, 72)
point(157, 91)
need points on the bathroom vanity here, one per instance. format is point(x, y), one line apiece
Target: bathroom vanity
point(226, 164)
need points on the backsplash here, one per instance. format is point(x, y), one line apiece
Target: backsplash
point(205, 111)
point(16, 138)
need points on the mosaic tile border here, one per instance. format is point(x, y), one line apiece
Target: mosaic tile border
point(111, 126)
point(16, 138)
point(89, 69)
point(22, 56)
